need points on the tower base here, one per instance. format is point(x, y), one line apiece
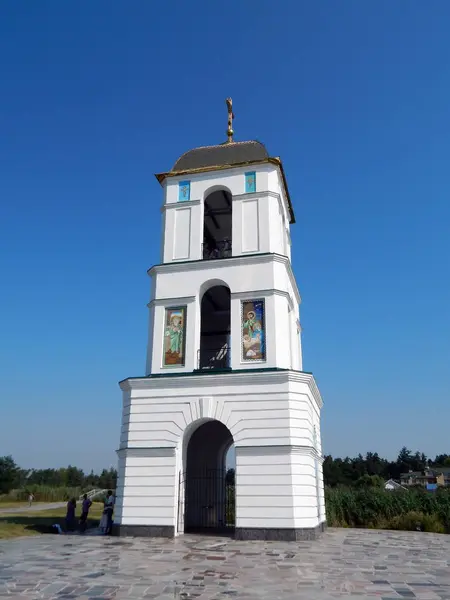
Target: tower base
point(176, 433)
point(240, 533)
point(281, 535)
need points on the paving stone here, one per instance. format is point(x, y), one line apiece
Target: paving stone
point(343, 563)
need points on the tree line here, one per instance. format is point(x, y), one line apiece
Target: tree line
point(14, 477)
point(372, 468)
point(369, 470)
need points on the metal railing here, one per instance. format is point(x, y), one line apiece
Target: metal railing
point(206, 502)
point(221, 249)
point(214, 359)
point(94, 493)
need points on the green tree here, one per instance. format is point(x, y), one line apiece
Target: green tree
point(91, 480)
point(9, 472)
point(230, 477)
point(371, 481)
point(108, 479)
point(405, 461)
point(74, 477)
point(441, 460)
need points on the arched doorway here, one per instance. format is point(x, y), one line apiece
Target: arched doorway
point(217, 225)
point(215, 329)
point(207, 495)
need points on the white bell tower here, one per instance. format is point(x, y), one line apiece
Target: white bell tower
point(224, 363)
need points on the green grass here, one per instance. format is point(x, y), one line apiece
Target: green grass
point(41, 521)
point(9, 531)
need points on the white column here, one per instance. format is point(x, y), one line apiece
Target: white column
point(146, 491)
point(264, 498)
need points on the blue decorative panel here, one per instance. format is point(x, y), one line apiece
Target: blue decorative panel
point(250, 182)
point(253, 331)
point(184, 191)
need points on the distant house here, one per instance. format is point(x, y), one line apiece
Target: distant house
point(439, 476)
point(414, 478)
point(392, 485)
point(442, 476)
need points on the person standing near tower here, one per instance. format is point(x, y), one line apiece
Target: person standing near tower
point(70, 514)
point(84, 512)
point(108, 511)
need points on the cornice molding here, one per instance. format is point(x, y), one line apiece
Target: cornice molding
point(187, 381)
point(308, 378)
point(170, 301)
point(269, 292)
point(253, 195)
point(243, 260)
point(315, 392)
point(307, 451)
point(198, 174)
point(183, 204)
point(285, 260)
point(145, 452)
point(278, 450)
point(205, 265)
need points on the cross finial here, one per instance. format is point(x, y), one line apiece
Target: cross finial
point(230, 131)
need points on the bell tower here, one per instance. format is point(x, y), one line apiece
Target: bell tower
point(224, 362)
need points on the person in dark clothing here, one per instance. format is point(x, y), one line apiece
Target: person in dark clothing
point(108, 511)
point(84, 512)
point(70, 515)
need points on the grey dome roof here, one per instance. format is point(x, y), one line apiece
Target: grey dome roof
point(234, 153)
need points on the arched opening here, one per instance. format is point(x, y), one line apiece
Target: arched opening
point(215, 329)
point(217, 225)
point(207, 494)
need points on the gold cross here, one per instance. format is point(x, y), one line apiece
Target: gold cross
point(230, 131)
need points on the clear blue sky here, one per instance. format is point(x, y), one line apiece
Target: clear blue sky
point(96, 97)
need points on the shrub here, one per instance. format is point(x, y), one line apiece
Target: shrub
point(42, 493)
point(372, 507)
point(416, 521)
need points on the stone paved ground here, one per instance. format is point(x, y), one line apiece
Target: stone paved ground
point(344, 563)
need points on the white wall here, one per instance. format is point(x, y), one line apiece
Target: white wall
point(257, 217)
point(145, 492)
point(271, 417)
point(276, 487)
point(282, 332)
point(277, 226)
point(241, 274)
point(265, 276)
point(251, 226)
point(182, 228)
point(260, 267)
